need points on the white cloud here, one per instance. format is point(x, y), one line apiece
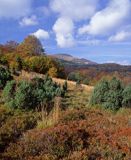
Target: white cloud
point(29, 21)
point(70, 11)
point(108, 19)
point(124, 62)
point(90, 42)
point(63, 29)
point(120, 36)
point(74, 9)
point(14, 8)
point(41, 34)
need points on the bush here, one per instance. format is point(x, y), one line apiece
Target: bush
point(57, 142)
point(3, 60)
point(5, 76)
point(9, 94)
point(73, 115)
point(14, 126)
point(86, 81)
point(127, 97)
point(100, 93)
point(75, 76)
point(108, 94)
point(5, 114)
point(114, 95)
point(44, 65)
point(30, 95)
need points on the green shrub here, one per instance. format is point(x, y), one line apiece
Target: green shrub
point(30, 95)
point(5, 76)
point(114, 95)
point(100, 93)
point(108, 94)
point(127, 97)
point(75, 76)
point(25, 97)
point(86, 81)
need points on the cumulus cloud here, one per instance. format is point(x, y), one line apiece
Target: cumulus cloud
point(14, 8)
point(29, 21)
point(124, 62)
point(70, 11)
point(63, 29)
point(108, 19)
point(76, 10)
point(41, 34)
point(120, 36)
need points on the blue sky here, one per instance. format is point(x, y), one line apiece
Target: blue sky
point(99, 30)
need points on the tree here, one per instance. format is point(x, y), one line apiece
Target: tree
point(30, 46)
point(114, 95)
point(25, 97)
point(108, 94)
point(100, 93)
point(11, 46)
point(37, 64)
point(127, 97)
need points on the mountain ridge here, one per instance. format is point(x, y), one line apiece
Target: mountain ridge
point(75, 60)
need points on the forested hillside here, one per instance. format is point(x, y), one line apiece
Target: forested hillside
point(91, 74)
point(29, 55)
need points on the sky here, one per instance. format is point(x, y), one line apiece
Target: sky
point(99, 30)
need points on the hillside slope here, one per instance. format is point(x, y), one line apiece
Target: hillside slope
point(74, 60)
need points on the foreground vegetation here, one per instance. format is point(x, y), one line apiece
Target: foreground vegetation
point(72, 130)
point(43, 119)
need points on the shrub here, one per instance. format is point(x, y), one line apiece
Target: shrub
point(15, 126)
point(3, 60)
point(114, 95)
point(127, 96)
point(108, 94)
point(9, 94)
point(65, 86)
point(38, 93)
point(100, 93)
point(5, 76)
point(75, 76)
point(25, 96)
point(86, 81)
point(44, 65)
point(5, 114)
point(57, 142)
point(73, 115)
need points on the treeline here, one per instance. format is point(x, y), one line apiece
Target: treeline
point(30, 56)
point(91, 74)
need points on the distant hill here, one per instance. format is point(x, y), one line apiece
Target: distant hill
point(68, 59)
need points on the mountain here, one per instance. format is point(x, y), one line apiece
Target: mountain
point(66, 58)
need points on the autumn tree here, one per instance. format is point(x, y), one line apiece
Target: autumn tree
point(30, 46)
point(8, 47)
point(11, 46)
